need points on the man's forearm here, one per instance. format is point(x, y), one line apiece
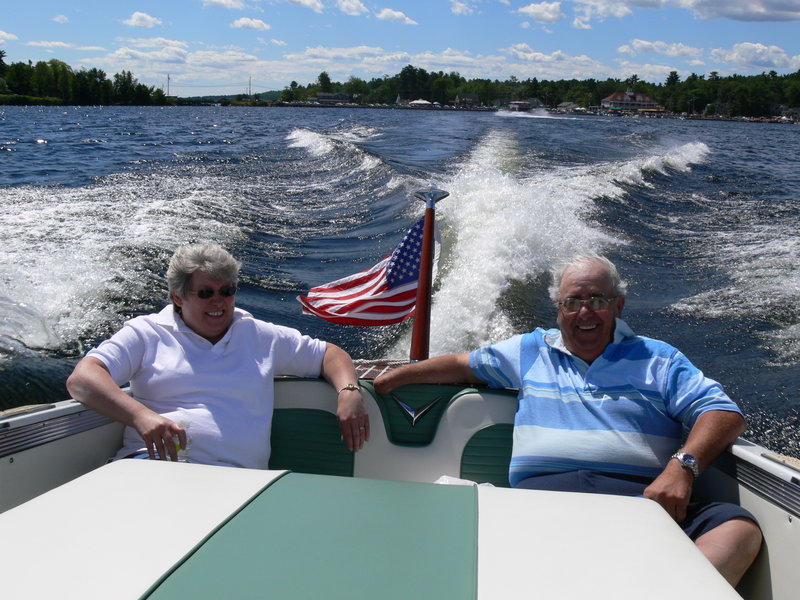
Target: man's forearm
point(451, 368)
point(712, 433)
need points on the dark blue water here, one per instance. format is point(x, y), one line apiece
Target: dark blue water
point(701, 217)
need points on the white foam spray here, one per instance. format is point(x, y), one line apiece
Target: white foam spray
point(509, 218)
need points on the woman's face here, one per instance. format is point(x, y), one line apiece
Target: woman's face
point(208, 317)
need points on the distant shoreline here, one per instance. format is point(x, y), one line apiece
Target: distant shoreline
point(32, 101)
point(447, 108)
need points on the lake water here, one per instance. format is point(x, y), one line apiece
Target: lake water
point(700, 216)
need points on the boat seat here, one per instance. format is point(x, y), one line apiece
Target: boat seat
point(418, 433)
point(487, 455)
point(307, 440)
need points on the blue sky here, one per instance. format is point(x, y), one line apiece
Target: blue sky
point(198, 47)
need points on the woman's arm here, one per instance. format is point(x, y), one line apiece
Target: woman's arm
point(91, 384)
point(338, 370)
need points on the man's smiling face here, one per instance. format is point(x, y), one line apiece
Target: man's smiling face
point(586, 332)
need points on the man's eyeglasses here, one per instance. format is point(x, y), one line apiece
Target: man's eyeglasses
point(595, 303)
point(205, 294)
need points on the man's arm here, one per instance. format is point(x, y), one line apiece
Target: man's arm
point(451, 368)
point(91, 384)
point(712, 433)
point(338, 370)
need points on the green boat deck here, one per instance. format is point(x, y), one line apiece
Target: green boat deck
point(304, 524)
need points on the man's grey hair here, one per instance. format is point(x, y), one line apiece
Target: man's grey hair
point(619, 287)
point(211, 259)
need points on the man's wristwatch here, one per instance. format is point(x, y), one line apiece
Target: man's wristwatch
point(688, 461)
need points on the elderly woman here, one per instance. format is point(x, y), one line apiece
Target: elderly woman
point(201, 371)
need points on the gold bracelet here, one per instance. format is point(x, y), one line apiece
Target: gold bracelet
point(350, 387)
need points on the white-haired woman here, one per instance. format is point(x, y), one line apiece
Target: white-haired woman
point(203, 365)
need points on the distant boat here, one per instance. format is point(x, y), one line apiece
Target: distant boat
point(519, 105)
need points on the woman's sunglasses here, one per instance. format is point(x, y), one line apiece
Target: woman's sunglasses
point(205, 294)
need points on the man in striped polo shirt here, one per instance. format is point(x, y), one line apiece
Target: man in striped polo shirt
point(604, 410)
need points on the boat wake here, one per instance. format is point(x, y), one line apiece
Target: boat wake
point(511, 217)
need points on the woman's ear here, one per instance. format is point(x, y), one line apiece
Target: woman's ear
point(176, 299)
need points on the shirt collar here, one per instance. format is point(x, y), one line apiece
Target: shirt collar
point(555, 340)
point(168, 317)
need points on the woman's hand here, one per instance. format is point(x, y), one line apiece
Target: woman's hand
point(353, 419)
point(162, 437)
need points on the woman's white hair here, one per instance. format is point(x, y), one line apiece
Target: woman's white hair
point(211, 259)
point(619, 286)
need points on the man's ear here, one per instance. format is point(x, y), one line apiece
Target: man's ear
point(620, 304)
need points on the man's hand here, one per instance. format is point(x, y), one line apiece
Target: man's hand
point(672, 490)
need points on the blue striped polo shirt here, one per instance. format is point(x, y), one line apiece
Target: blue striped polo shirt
point(626, 412)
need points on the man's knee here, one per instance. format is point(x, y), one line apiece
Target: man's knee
point(732, 547)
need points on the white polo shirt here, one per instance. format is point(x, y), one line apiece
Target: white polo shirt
point(223, 393)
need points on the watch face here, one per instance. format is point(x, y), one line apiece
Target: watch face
point(689, 461)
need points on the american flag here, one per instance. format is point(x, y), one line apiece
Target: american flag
point(381, 295)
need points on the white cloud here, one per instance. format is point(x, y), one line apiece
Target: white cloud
point(315, 5)
point(248, 23)
point(457, 7)
point(557, 64)
point(140, 19)
point(587, 11)
point(388, 14)
point(353, 8)
point(234, 4)
point(755, 56)
point(326, 53)
point(156, 42)
point(129, 56)
point(641, 46)
point(229, 58)
point(6, 37)
point(278, 42)
point(745, 10)
point(61, 19)
point(544, 12)
point(645, 71)
point(60, 45)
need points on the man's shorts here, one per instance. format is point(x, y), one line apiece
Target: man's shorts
point(700, 517)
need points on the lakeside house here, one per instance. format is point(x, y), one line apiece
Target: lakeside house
point(331, 98)
point(467, 100)
point(630, 101)
point(523, 105)
point(569, 107)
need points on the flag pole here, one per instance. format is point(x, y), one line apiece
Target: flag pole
point(420, 334)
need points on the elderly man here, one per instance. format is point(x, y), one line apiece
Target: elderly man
point(604, 410)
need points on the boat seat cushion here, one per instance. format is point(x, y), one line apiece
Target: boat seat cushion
point(487, 455)
point(306, 440)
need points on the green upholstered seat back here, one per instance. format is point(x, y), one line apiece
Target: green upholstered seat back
point(487, 455)
point(426, 403)
point(307, 440)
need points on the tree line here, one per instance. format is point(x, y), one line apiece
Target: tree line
point(764, 95)
point(55, 82)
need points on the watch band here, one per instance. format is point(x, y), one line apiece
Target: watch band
point(350, 387)
point(688, 461)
